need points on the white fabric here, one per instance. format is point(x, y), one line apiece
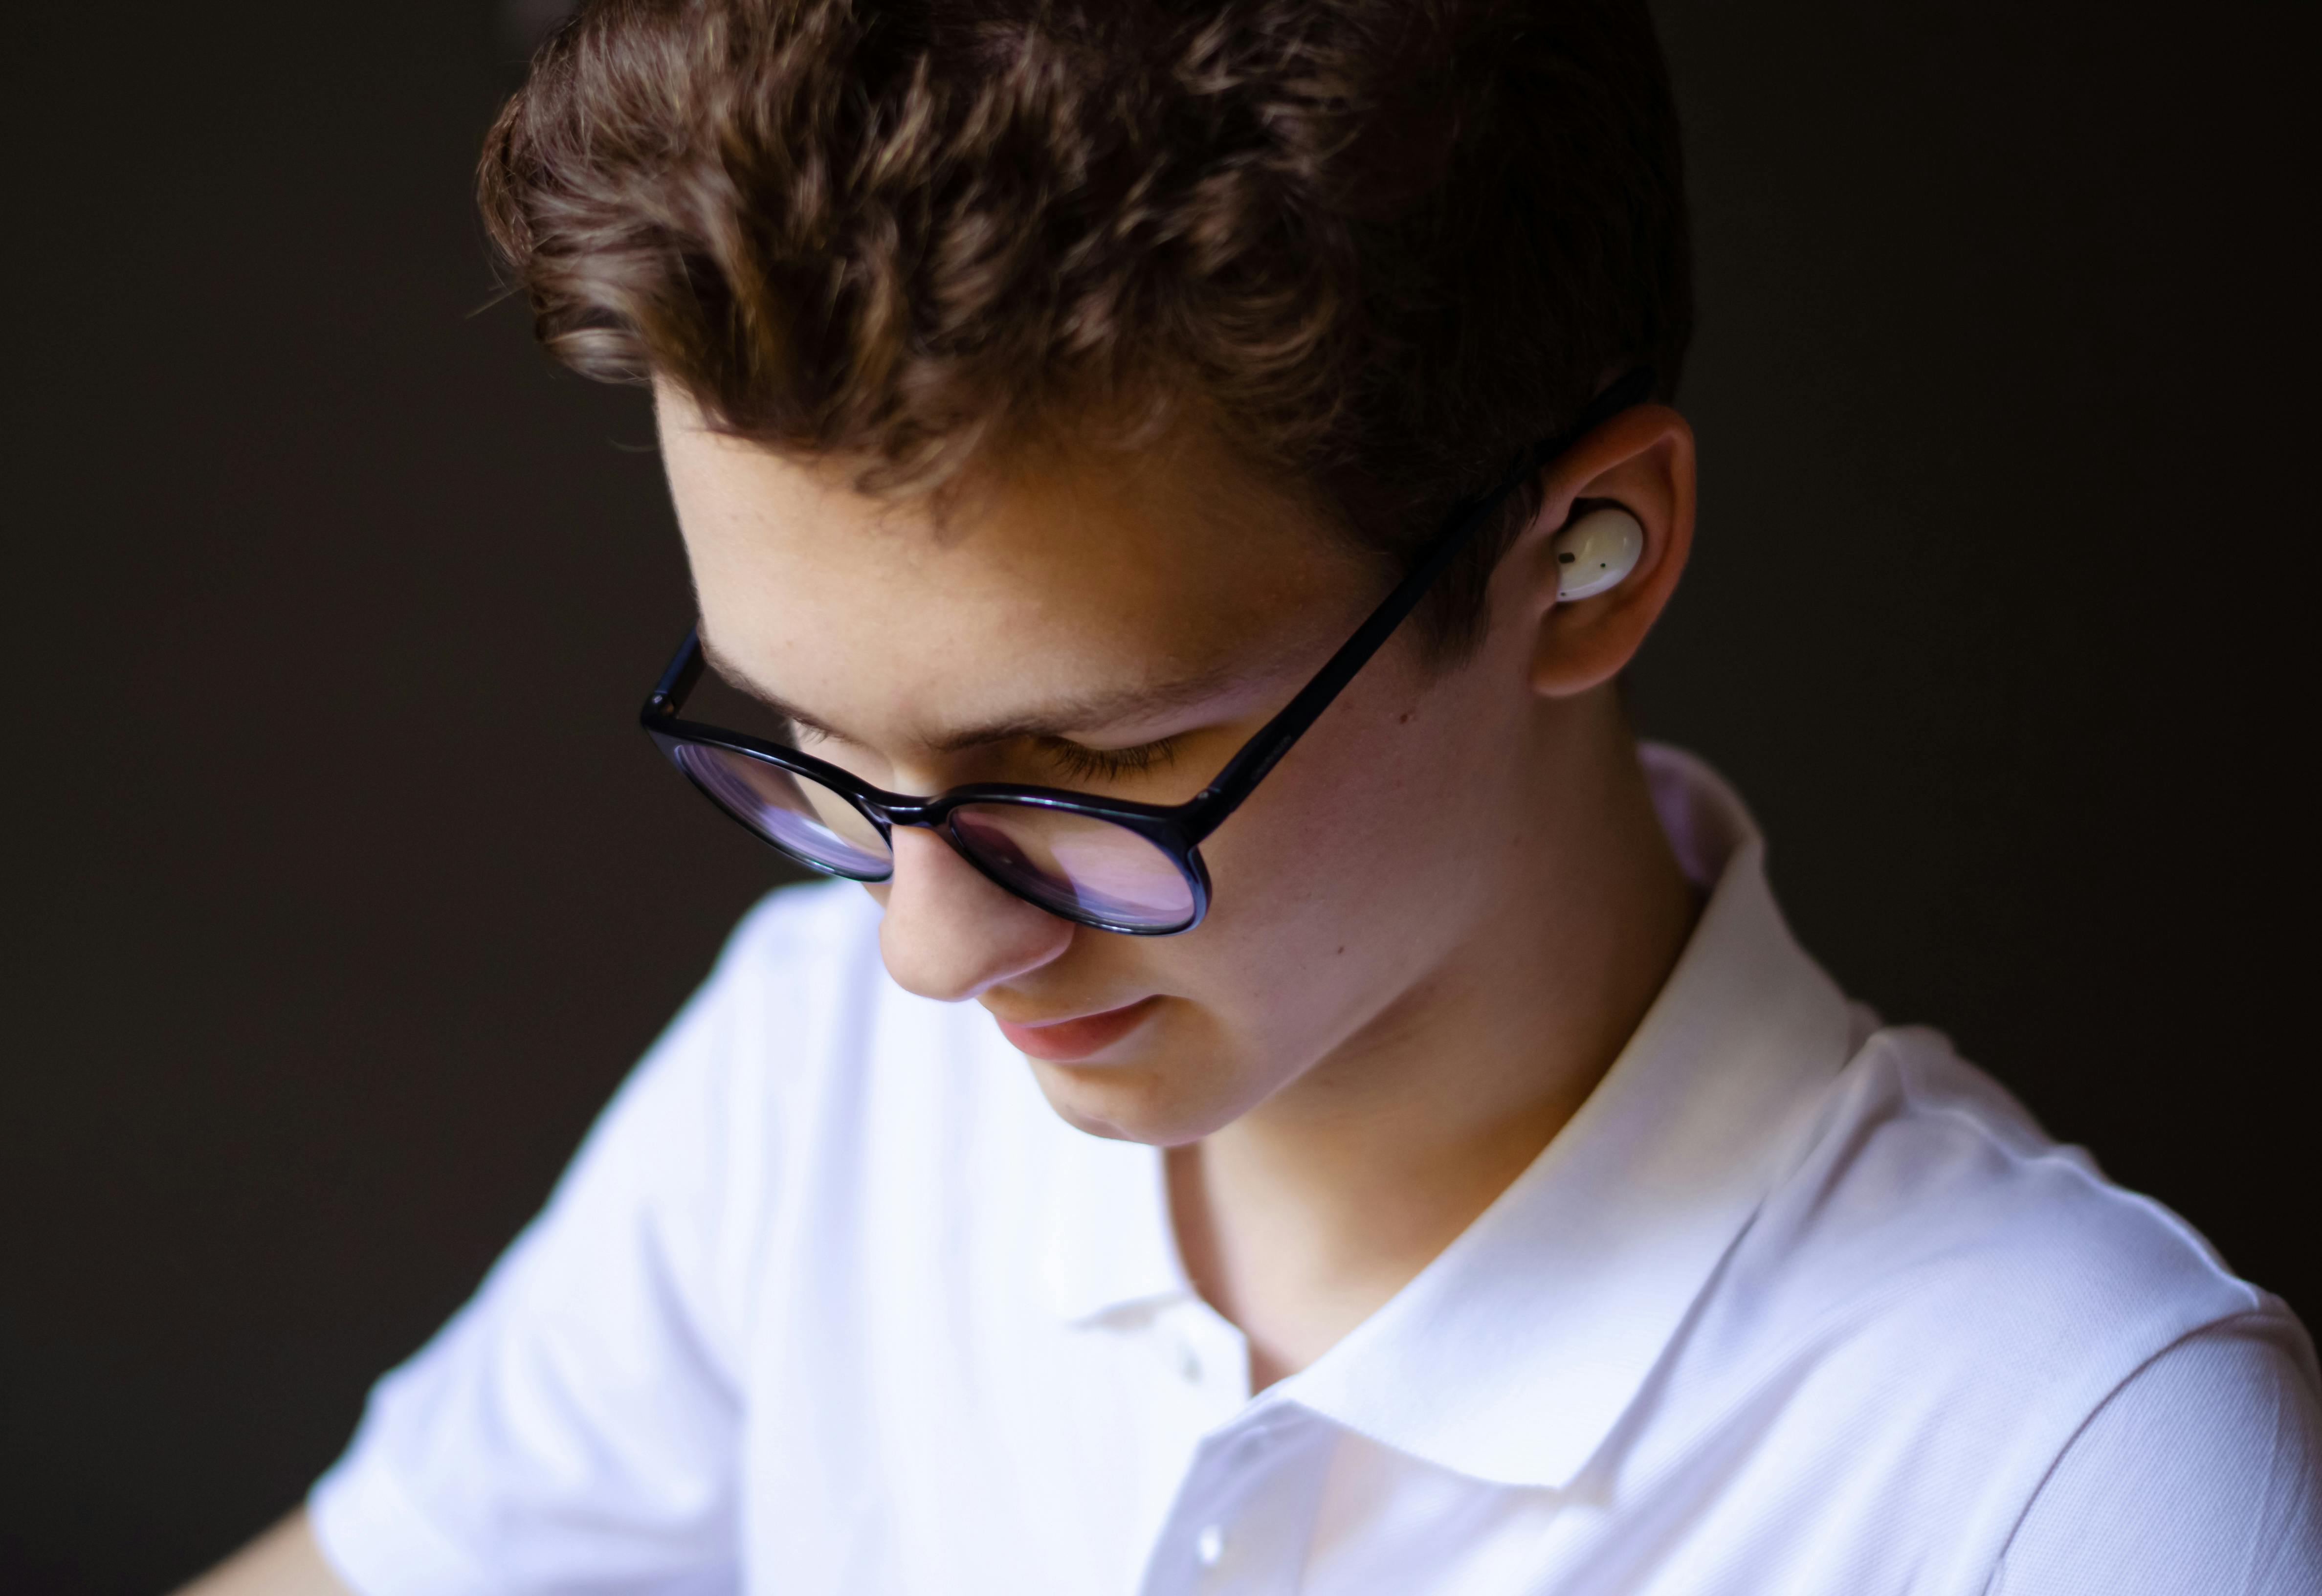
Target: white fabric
point(2217, 1443)
point(831, 1302)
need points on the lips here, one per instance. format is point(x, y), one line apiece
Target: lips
point(1064, 1042)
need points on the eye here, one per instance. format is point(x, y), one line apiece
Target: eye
point(1109, 765)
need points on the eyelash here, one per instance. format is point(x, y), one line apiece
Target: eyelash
point(1111, 764)
point(1077, 762)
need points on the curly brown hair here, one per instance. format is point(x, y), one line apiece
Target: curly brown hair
point(1384, 246)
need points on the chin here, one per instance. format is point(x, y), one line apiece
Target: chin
point(1150, 1103)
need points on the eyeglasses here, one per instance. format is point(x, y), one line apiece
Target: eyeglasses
point(1111, 863)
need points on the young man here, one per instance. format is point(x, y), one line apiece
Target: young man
point(1305, 1103)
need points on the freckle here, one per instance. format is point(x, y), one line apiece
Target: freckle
point(1342, 950)
point(1405, 720)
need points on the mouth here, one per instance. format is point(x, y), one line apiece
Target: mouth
point(1066, 1041)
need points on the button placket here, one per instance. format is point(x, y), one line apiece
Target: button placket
point(1245, 1511)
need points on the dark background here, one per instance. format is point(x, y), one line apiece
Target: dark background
point(345, 891)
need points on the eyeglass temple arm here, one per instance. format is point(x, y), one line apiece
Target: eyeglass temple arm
point(669, 694)
point(1222, 796)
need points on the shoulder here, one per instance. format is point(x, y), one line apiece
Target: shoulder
point(800, 942)
point(793, 996)
point(1942, 1283)
point(771, 1004)
point(801, 1056)
point(800, 993)
point(796, 1077)
point(688, 1149)
point(1931, 1203)
point(1930, 1180)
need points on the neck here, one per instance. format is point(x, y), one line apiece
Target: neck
point(1302, 1217)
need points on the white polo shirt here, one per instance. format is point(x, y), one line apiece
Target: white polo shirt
point(831, 1302)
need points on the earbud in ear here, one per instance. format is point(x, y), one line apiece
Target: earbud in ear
point(1596, 551)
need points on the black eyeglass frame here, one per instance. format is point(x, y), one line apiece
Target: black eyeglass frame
point(1175, 829)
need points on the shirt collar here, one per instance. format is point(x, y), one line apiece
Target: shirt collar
point(1513, 1354)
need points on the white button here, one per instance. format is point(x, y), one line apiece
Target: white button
point(1210, 1545)
point(1189, 1364)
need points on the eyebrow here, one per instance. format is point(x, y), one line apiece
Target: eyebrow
point(1054, 722)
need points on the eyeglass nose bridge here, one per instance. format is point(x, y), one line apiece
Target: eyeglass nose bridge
point(887, 812)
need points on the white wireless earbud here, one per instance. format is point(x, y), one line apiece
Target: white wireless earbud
point(1596, 551)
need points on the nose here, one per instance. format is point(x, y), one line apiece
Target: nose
point(949, 934)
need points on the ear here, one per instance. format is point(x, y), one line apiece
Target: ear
point(1642, 461)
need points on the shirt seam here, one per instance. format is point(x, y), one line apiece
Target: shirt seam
point(2260, 1314)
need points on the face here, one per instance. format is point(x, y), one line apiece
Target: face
point(1117, 622)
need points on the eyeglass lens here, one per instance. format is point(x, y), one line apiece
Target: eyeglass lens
point(799, 816)
point(1079, 865)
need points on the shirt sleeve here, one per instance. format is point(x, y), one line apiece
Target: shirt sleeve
point(575, 1426)
point(2201, 1475)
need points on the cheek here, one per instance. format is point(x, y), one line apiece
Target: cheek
point(1344, 878)
point(1342, 883)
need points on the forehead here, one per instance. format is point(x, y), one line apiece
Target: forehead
point(1062, 573)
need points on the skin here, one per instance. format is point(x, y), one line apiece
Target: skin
point(1436, 921)
point(1435, 924)
point(283, 1562)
